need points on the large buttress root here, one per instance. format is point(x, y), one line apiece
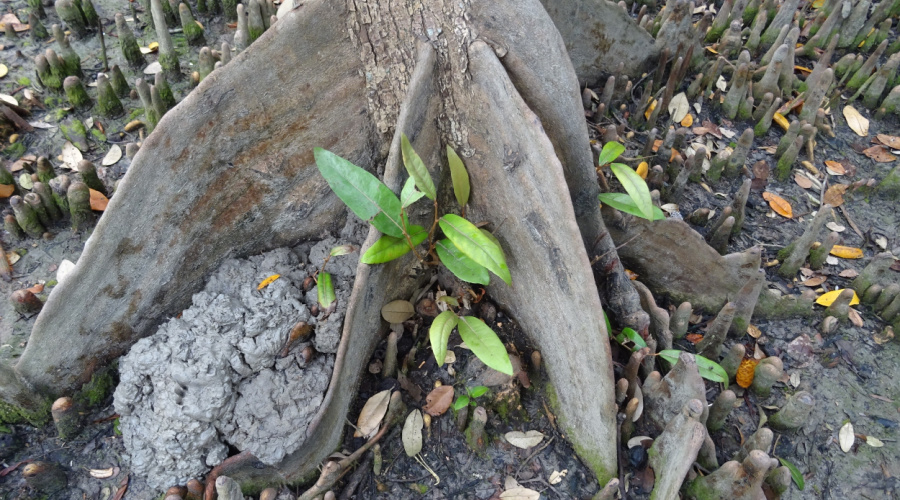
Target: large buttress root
point(600, 36)
point(228, 172)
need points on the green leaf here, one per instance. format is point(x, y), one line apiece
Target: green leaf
point(409, 194)
point(611, 151)
point(326, 290)
point(439, 334)
point(475, 245)
point(460, 402)
point(608, 325)
point(416, 168)
point(635, 187)
point(623, 202)
point(795, 473)
point(459, 175)
point(484, 343)
point(388, 248)
point(477, 391)
point(361, 191)
point(710, 370)
point(461, 266)
point(629, 334)
point(490, 236)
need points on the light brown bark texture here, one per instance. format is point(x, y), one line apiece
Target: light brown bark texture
point(230, 172)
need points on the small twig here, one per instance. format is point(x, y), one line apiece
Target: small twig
point(597, 258)
point(534, 454)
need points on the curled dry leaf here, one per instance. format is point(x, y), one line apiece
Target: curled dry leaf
point(438, 401)
point(848, 273)
point(855, 318)
point(397, 311)
point(884, 336)
point(268, 281)
point(101, 473)
point(834, 195)
point(880, 154)
point(846, 437)
point(412, 433)
point(38, 288)
point(557, 476)
point(890, 141)
point(834, 226)
point(834, 168)
point(846, 252)
point(372, 413)
point(857, 122)
point(113, 156)
point(524, 440)
point(781, 121)
point(98, 201)
point(779, 204)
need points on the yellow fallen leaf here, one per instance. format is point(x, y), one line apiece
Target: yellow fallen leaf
point(3, 70)
point(846, 252)
point(864, 39)
point(714, 50)
point(687, 121)
point(857, 122)
point(817, 4)
point(826, 299)
point(98, 201)
point(803, 69)
point(781, 121)
point(268, 281)
point(779, 204)
point(153, 46)
point(642, 169)
point(650, 109)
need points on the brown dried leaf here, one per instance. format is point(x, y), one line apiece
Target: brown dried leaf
point(372, 413)
point(834, 168)
point(802, 181)
point(438, 400)
point(879, 154)
point(6, 190)
point(814, 281)
point(848, 273)
point(855, 318)
point(885, 336)
point(779, 204)
point(890, 141)
point(98, 201)
point(834, 196)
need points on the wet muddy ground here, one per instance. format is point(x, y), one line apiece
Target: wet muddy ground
point(853, 377)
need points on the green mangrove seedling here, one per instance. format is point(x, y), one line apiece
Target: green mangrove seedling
point(636, 199)
point(465, 250)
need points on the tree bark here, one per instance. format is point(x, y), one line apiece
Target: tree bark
point(229, 172)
